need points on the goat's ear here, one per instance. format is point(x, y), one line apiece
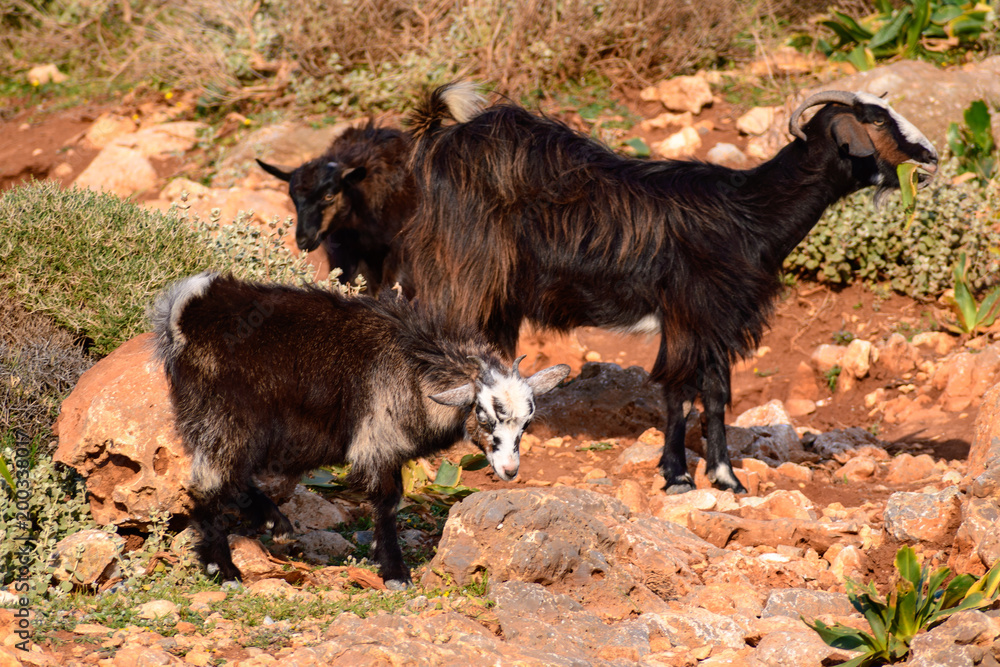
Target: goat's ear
point(547, 378)
point(459, 397)
point(284, 173)
point(850, 134)
point(352, 175)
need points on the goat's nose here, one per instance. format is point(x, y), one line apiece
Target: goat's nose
point(511, 472)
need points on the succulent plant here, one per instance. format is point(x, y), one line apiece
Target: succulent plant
point(854, 241)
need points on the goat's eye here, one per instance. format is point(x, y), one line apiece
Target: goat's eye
point(878, 122)
point(329, 197)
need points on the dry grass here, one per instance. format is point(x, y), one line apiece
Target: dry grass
point(381, 52)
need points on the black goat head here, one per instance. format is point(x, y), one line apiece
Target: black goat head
point(317, 189)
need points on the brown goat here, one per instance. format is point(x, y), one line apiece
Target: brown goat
point(523, 218)
point(353, 200)
point(284, 380)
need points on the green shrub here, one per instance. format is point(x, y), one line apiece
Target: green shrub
point(57, 507)
point(94, 262)
point(853, 241)
point(919, 602)
point(972, 143)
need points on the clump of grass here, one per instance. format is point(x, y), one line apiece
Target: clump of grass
point(94, 262)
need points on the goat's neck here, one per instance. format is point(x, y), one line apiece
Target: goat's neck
point(788, 195)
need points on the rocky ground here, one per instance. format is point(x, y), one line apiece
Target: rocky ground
point(588, 562)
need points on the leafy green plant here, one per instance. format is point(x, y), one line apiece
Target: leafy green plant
point(446, 488)
point(972, 143)
point(970, 316)
point(854, 241)
point(831, 377)
point(916, 28)
point(919, 601)
point(94, 262)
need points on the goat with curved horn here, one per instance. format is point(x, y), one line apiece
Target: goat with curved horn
point(825, 97)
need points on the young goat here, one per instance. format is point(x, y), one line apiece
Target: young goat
point(284, 380)
point(523, 218)
point(353, 200)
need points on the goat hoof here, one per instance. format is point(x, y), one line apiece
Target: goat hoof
point(397, 584)
point(679, 485)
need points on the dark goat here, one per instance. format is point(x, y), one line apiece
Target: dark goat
point(283, 380)
point(523, 218)
point(353, 200)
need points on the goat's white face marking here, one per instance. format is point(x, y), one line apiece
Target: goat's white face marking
point(908, 129)
point(504, 406)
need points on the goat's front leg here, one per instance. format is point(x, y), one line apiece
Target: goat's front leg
point(384, 494)
point(673, 462)
point(715, 391)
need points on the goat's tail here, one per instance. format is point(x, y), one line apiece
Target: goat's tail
point(166, 313)
point(459, 100)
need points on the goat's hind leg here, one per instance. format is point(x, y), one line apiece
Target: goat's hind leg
point(263, 513)
point(715, 397)
point(213, 525)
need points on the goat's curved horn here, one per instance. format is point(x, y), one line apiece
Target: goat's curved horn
point(825, 97)
point(513, 369)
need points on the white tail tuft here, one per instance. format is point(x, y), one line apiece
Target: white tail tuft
point(464, 100)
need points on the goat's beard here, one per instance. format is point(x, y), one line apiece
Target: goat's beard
point(882, 193)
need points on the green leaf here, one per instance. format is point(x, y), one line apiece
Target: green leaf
point(907, 174)
point(890, 31)
point(857, 32)
point(957, 589)
point(840, 636)
point(862, 59)
point(473, 462)
point(988, 309)
point(5, 473)
point(909, 568)
point(639, 147)
point(448, 474)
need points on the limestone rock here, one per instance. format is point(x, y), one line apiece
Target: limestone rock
point(923, 517)
point(120, 171)
point(311, 511)
point(108, 127)
point(897, 355)
point(771, 444)
point(603, 401)
point(43, 74)
point(320, 546)
point(87, 558)
point(145, 656)
point(681, 144)
point(907, 469)
point(771, 413)
point(965, 377)
point(578, 539)
point(938, 342)
point(157, 609)
point(680, 93)
point(826, 357)
point(116, 428)
point(855, 363)
point(728, 155)
point(985, 449)
point(756, 121)
point(796, 602)
point(843, 445)
point(164, 139)
point(802, 648)
point(962, 639)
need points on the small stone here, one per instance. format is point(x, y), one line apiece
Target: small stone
point(756, 121)
point(923, 517)
point(43, 74)
point(156, 609)
point(800, 407)
point(681, 144)
point(772, 413)
point(826, 357)
point(907, 469)
point(680, 93)
point(727, 155)
point(592, 355)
